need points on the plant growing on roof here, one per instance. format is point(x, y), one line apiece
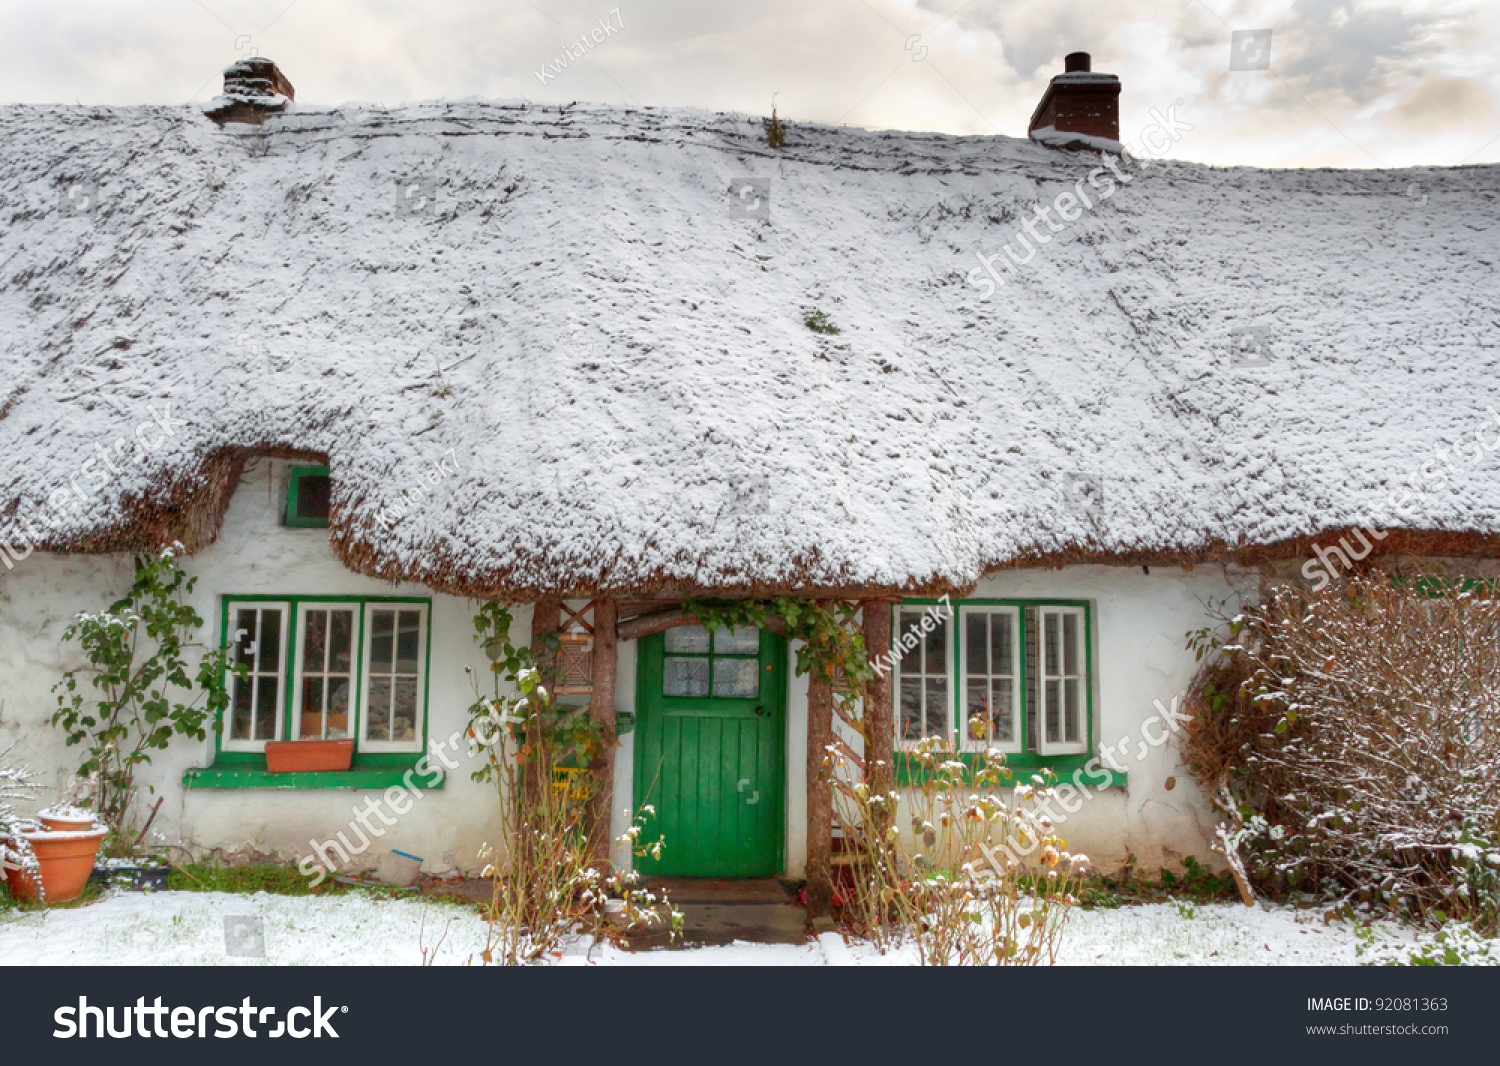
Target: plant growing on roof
point(138, 652)
point(775, 131)
point(818, 321)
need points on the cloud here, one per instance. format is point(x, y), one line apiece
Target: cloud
point(1441, 102)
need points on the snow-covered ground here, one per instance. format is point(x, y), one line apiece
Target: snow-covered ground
point(188, 928)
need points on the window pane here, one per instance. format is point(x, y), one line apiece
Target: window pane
point(976, 646)
point(937, 647)
point(312, 696)
point(315, 641)
point(378, 724)
point(687, 640)
point(1050, 658)
point(1073, 711)
point(239, 722)
point(1000, 645)
point(685, 677)
point(911, 646)
point(244, 637)
point(1070, 645)
point(1004, 728)
point(911, 708)
point(976, 706)
point(1054, 711)
point(340, 641)
point(269, 642)
point(404, 717)
point(736, 641)
point(937, 707)
point(382, 641)
point(408, 641)
point(737, 678)
point(338, 707)
point(265, 707)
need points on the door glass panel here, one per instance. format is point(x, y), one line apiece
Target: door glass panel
point(685, 677)
point(736, 641)
point(687, 640)
point(737, 678)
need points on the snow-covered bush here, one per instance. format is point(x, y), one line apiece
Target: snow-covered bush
point(15, 783)
point(1455, 944)
point(982, 879)
point(1352, 735)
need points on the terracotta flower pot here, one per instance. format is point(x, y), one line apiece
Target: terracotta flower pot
point(64, 860)
point(288, 756)
point(67, 819)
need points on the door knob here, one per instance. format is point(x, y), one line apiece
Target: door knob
point(760, 711)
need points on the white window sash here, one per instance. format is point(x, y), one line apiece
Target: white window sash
point(363, 743)
point(961, 695)
point(1046, 744)
point(227, 741)
point(301, 667)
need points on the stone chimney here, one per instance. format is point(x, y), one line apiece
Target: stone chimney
point(1080, 109)
point(253, 88)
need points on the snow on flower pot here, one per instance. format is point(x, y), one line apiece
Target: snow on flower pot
point(67, 819)
point(64, 860)
point(288, 756)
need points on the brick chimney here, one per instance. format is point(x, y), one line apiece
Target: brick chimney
point(1078, 102)
point(253, 88)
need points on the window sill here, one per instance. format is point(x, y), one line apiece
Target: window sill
point(356, 777)
point(1070, 769)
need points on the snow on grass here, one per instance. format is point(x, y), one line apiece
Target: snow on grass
point(187, 928)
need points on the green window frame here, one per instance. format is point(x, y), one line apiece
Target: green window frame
point(242, 764)
point(1015, 667)
point(299, 497)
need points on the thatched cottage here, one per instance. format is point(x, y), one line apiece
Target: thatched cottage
point(371, 365)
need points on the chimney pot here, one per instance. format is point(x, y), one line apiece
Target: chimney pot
point(253, 87)
point(1078, 63)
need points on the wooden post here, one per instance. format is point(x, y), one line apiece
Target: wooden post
point(880, 715)
point(546, 616)
point(602, 710)
point(819, 897)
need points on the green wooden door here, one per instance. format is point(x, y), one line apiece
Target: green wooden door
point(709, 751)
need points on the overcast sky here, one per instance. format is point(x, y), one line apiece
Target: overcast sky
point(1354, 83)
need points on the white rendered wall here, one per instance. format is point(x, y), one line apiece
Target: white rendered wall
point(1139, 622)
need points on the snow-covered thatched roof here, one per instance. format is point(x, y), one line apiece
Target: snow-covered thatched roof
point(619, 363)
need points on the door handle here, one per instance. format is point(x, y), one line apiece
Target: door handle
point(759, 711)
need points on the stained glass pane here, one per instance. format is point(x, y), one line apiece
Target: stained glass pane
point(687, 640)
point(737, 678)
point(736, 641)
point(685, 677)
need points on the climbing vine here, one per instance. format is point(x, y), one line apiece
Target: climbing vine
point(833, 643)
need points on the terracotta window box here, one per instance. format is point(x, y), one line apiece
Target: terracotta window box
point(290, 756)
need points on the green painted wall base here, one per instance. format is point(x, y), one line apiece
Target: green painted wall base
point(357, 777)
point(1021, 767)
